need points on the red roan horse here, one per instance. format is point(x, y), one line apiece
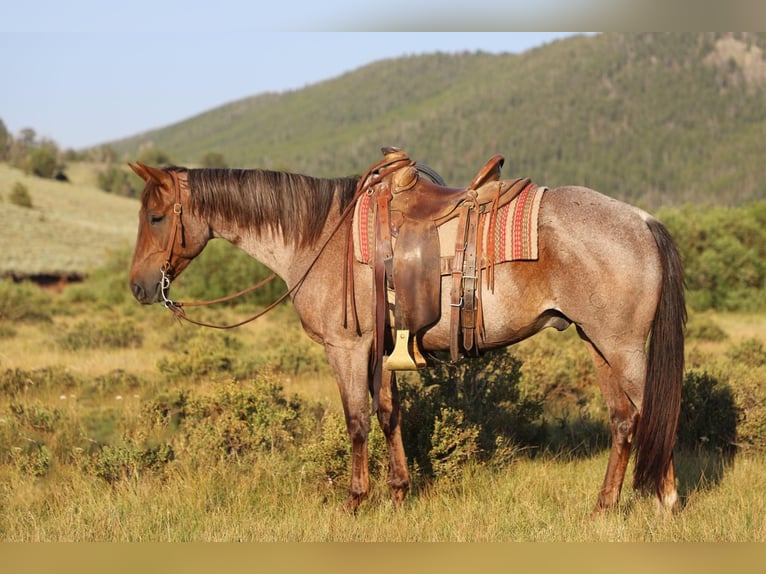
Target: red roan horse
point(609, 268)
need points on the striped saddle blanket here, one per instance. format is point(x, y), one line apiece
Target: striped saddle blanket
point(515, 230)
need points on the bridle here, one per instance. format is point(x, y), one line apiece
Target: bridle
point(166, 271)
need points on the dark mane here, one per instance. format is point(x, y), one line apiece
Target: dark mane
point(297, 205)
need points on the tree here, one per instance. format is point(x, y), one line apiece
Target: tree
point(5, 142)
point(43, 160)
point(115, 180)
point(150, 155)
point(214, 159)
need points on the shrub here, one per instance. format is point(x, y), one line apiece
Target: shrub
point(115, 462)
point(709, 415)
point(108, 285)
point(56, 379)
point(20, 195)
point(328, 451)
point(33, 459)
point(704, 328)
point(115, 180)
point(240, 418)
point(464, 411)
point(24, 302)
point(114, 334)
point(36, 416)
point(202, 354)
point(750, 353)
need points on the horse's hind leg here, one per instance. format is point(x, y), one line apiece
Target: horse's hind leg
point(614, 379)
point(389, 416)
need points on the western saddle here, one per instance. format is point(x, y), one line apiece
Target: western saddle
point(407, 258)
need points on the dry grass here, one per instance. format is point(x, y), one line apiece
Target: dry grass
point(69, 229)
point(273, 499)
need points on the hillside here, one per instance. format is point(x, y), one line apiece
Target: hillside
point(654, 119)
point(69, 230)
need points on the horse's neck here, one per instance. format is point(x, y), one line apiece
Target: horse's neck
point(271, 248)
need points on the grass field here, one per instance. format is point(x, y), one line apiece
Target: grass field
point(270, 496)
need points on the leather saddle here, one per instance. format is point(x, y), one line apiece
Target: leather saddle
point(408, 261)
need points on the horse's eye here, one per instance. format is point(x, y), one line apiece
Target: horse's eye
point(156, 219)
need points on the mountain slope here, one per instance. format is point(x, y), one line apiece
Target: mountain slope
point(654, 119)
point(69, 230)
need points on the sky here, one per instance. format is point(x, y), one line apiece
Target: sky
point(87, 72)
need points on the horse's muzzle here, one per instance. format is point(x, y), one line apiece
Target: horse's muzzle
point(146, 296)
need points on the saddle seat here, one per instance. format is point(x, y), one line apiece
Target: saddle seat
point(434, 202)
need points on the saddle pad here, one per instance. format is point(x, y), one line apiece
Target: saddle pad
point(363, 229)
point(515, 228)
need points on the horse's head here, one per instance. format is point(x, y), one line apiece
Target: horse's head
point(170, 235)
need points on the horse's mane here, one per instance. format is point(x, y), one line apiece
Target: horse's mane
point(297, 205)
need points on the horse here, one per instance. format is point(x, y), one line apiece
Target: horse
point(606, 267)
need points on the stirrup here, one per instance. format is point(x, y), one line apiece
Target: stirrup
point(401, 359)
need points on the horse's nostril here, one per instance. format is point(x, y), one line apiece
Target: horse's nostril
point(138, 292)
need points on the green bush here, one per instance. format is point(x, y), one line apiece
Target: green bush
point(116, 180)
point(20, 195)
point(107, 286)
point(239, 418)
point(709, 414)
point(34, 459)
point(702, 328)
point(327, 452)
point(24, 302)
point(115, 334)
point(202, 353)
point(39, 381)
point(115, 462)
point(468, 410)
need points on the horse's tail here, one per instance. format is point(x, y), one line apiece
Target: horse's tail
point(657, 425)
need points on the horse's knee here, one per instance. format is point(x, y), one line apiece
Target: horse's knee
point(358, 428)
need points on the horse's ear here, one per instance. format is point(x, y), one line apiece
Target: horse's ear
point(139, 169)
point(147, 172)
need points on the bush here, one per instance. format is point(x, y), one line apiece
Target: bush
point(203, 354)
point(24, 302)
point(709, 415)
point(328, 451)
point(115, 462)
point(116, 180)
point(704, 328)
point(239, 418)
point(116, 334)
point(56, 379)
point(468, 410)
point(20, 195)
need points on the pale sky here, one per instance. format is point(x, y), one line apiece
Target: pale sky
point(85, 72)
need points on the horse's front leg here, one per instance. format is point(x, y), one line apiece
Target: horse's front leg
point(390, 418)
point(350, 363)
